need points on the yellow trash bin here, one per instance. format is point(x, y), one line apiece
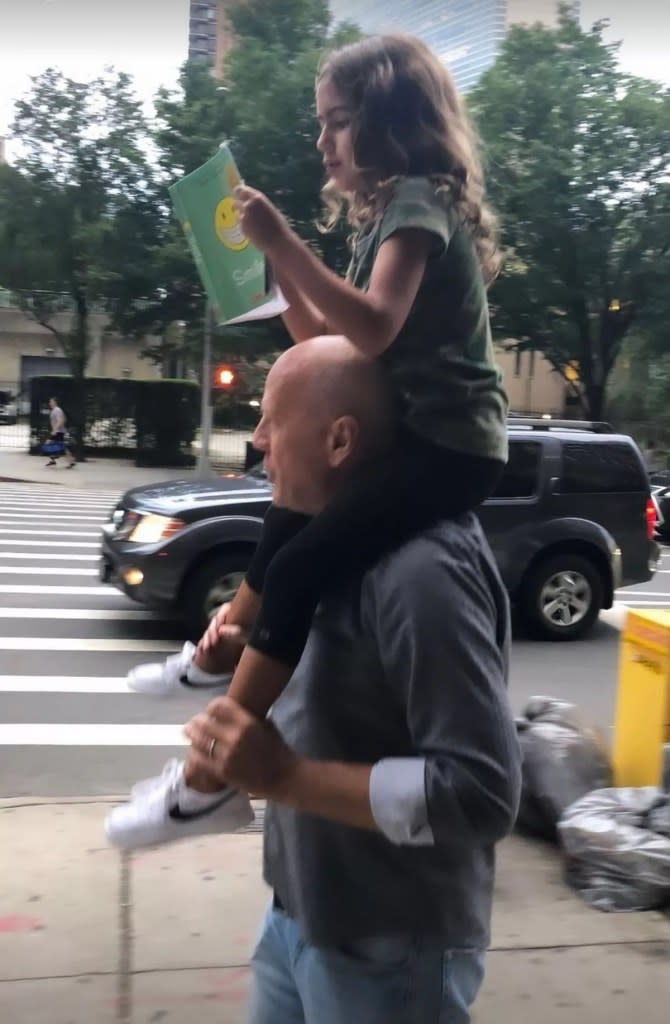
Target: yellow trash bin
point(642, 724)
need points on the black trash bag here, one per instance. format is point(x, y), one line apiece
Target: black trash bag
point(562, 761)
point(617, 846)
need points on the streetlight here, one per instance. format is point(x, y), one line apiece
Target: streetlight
point(203, 468)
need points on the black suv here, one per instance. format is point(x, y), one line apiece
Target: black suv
point(571, 521)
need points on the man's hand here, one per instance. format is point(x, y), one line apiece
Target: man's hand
point(248, 754)
point(260, 220)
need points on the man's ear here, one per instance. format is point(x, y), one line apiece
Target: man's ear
point(343, 440)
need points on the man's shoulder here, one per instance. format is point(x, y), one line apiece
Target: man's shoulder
point(442, 586)
point(433, 556)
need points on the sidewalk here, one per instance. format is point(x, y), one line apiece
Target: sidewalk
point(89, 935)
point(94, 474)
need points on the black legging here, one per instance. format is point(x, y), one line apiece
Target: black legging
point(385, 503)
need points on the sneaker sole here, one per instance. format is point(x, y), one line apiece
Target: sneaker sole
point(180, 829)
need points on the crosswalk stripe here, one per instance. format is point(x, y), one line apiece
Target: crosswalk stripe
point(49, 544)
point(64, 684)
point(38, 527)
point(89, 644)
point(615, 616)
point(644, 603)
point(25, 570)
point(33, 516)
point(48, 556)
point(90, 734)
point(12, 501)
point(632, 594)
point(48, 533)
point(38, 504)
point(61, 591)
point(88, 614)
point(68, 493)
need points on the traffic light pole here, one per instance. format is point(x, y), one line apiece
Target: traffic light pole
point(204, 468)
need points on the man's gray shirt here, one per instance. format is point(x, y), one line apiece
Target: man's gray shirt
point(406, 670)
point(57, 420)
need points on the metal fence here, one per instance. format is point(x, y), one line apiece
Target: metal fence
point(14, 417)
point(227, 448)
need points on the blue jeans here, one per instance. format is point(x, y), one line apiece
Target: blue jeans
point(393, 980)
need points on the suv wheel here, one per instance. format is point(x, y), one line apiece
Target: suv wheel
point(562, 596)
point(210, 586)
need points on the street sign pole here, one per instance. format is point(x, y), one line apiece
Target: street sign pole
point(204, 468)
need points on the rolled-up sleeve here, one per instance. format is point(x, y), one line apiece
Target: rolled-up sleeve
point(398, 800)
point(442, 627)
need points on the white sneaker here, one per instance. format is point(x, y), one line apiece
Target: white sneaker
point(147, 785)
point(154, 816)
point(162, 679)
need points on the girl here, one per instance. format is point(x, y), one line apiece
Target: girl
point(400, 155)
point(399, 151)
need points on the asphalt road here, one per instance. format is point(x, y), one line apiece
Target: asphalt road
point(68, 725)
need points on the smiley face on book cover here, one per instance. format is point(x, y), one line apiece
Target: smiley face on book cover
point(227, 225)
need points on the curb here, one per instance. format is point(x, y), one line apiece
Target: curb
point(22, 480)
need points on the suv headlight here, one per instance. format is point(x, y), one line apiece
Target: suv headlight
point(152, 528)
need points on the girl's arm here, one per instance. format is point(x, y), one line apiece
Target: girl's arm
point(370, 320)
point(302, 319)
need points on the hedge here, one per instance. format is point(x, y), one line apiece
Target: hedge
point(157, 419)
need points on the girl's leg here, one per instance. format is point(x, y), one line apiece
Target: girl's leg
point(279, 526)
point(386, 503)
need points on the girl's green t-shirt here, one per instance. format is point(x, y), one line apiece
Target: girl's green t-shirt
point(442, 362)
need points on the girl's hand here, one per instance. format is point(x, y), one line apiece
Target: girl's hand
point(260, 220)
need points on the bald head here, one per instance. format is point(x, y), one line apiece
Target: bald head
point(332, 379)
point(326, 408)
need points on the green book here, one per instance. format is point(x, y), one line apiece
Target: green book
point(233, 272)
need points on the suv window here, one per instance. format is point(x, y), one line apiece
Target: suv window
point(519, 479)
point(596, 468)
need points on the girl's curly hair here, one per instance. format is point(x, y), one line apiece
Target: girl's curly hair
point(408, 119)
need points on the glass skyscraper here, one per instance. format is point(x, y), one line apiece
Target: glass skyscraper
point(465, 34)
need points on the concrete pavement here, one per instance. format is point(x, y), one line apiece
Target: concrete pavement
point(165, 936)
point(94, 474)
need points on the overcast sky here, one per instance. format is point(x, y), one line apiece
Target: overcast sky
point(149, 39)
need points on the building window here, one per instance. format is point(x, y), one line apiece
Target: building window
point(517, 363)
point(531, 366)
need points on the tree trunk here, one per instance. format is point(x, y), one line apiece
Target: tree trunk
point(594, 401)
point(78, 357)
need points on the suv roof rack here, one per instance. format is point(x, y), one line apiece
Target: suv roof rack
point(591, 426)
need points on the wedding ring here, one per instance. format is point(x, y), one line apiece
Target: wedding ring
point(210, 749)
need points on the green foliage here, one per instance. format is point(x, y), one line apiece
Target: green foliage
point(85, 218)
point(577, 156)
point(81, 166)
point(264, 107)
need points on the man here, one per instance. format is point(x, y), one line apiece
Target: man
point(390, 763)
point(57, 423)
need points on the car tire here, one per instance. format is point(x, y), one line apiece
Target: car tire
point(562, 596)
point(210, 585)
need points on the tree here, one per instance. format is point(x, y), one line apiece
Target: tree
point(158, 299)
point(82, 167)
point(264, 106)
point(577, 168)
